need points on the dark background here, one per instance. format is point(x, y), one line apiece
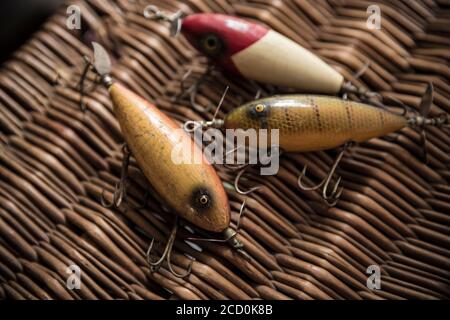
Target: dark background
point(19, 19)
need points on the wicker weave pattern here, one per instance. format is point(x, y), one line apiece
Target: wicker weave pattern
point(55, 161)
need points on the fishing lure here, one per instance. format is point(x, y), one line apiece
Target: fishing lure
point(193, 190)
point(256, 52)
point(313, 123)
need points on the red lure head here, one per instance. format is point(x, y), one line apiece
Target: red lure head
point(220, 36)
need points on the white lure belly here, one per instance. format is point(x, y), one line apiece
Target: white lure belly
point(280, 61)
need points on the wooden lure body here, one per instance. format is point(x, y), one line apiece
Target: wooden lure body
point(193, 190)
point(312, 123)
point(258, 53)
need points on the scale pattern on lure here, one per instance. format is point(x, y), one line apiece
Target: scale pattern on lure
point(313, 123)
point(310, 123)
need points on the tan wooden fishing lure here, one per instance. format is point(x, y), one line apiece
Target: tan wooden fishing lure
point(313, 123)
point(193, 190)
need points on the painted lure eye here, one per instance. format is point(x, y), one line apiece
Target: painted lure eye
point(258, 111)
point(260, 108)
point(211, 44)
point(201, 199)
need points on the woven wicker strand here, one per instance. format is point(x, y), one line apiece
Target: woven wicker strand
point(56, 161)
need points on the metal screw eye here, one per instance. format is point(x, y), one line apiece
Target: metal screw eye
point(204, 199)
point(259, 108)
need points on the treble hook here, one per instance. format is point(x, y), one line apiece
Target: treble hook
point(422, 121)
point(361, 71)
point(192, 90)
point(167, 254)
point(333, 197)
point(233, 167)
point(363, 94)
point(152, 12)
point(192, 126)
point(258, 90)
point(230, 235)
point(405, 109)
point(120, 189)
point(403, 106)
point(236, 184)
point(245, 167)
point(81, 84)
point(441, 121)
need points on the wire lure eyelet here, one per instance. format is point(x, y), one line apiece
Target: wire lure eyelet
point(192, 126)
point(204, 200)
point(152, 12)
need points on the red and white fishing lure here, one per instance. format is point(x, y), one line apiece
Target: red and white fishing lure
point(259, 53)
point(251, 50)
